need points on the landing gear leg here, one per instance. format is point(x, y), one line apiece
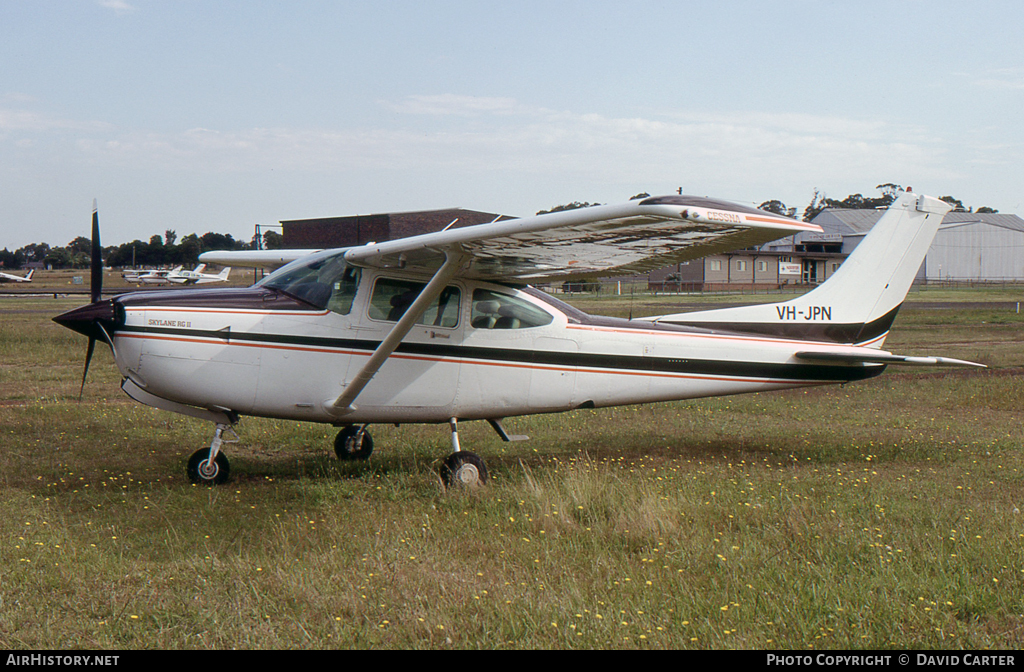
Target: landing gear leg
point(462, 469)
point(209, 465)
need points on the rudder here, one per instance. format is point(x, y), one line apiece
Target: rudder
point(859, 302)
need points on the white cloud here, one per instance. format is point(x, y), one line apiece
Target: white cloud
point(118, 6)
point(503, 152)
point(995, 79)
point(747, 147)
point(18, 98)
point(27, 121)
point(455, 105)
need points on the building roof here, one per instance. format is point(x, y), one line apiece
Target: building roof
point(859, 222)
point(353, 230)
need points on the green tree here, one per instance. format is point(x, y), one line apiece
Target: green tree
point(11, 260)
point(221, 241)
point(819, 202)
point(35, 251)
point(58, 257)
point(272, 240)
point(189, 250)
point(777, 207)
point(575, 205)
point(957, 204)
point(80, 245)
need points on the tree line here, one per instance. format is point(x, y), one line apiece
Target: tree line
point(166, 250)
point(889, 193)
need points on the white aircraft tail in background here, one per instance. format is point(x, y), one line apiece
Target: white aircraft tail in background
point(7, 277)
point(197, 277)
point(152, 277)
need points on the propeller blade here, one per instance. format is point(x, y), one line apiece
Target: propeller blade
point(96, 268)
point(88, 358)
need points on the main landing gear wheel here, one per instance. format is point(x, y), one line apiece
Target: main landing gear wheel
point(463, 470)
point(353, 443)
point(202, 470)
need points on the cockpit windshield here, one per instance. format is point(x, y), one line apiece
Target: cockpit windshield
point(322, 280)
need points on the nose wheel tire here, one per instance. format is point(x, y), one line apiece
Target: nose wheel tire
point(348, 445)
point(463, 470)
point(202, 470)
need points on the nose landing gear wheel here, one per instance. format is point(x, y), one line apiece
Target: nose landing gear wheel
point(202, 470)
point(353, 443)
point(463, 470)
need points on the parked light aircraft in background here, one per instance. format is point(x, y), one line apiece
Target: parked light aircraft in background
point(151, 276)
point(197, 277)
point(7, 277)
point(443, 327)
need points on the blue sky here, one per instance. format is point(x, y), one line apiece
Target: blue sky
point(216, 116)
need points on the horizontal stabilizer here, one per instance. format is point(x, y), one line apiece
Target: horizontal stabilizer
point(883, 358)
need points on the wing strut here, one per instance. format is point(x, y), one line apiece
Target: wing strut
point(453, 262)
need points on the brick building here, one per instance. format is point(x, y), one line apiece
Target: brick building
point(326, 232)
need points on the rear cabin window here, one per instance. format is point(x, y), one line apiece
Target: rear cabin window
point(391, 298)
point(492, 310)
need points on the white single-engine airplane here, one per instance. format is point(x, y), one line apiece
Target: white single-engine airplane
point(7, 277)
point(151, 276)
point(443, 327)
point(197, 277)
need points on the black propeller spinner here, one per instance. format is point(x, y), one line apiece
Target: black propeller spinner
point(89, 320)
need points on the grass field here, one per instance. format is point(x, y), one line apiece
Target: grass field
point(880, 514)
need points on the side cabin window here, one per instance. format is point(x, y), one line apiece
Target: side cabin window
point(492, 310)
point(324, 282)
point(391, 298)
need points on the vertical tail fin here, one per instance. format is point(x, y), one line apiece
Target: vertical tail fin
point(859, 302)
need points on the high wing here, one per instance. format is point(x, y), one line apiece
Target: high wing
point(600, 241)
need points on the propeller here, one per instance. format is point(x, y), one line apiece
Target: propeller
point(88, 320)
point(96, 266)
point(95, 287)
